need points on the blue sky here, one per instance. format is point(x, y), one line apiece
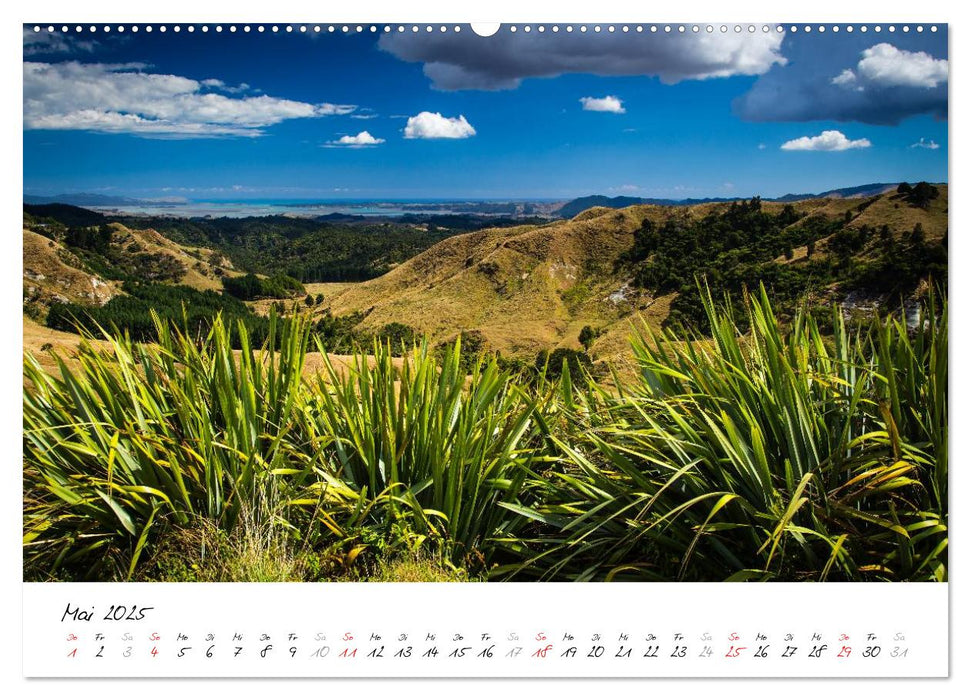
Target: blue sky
point(231, 116)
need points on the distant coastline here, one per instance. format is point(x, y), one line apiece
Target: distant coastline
point(394, 208)
point(309, 209)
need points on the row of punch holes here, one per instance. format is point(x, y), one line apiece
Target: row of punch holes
point(513, 28)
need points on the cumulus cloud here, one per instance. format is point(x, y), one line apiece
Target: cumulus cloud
point(831, 140)
point(362, 140)
point(432, 125)
point(467, 62)
point(603, 104)
point(887, 66)
point(886, 85)
point(846, 78)
point(929, 144)
point(123, 98)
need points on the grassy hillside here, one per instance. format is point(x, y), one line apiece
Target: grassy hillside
point(523, 288)
point(86, 264)
point(52, 274)
point(311, 250)
point(201, 268)
point(519, 290)
point(533, 287)
point(79, 267)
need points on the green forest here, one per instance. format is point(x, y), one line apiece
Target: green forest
point(738, 249)
point(310, 250)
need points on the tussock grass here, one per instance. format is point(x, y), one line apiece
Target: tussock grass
point(773, 455)
point(779, 453)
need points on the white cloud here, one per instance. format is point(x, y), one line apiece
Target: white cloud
point(884, 65)
point(327, 109)
point(603, 104)
point(216, 84)
point(122, 98)
point(453, 62)
point(846, 79)
point(827, 141)
point(931, 144)
point(362, 140)
point(432, 125)
point(44, 42)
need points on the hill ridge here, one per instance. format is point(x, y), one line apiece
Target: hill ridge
point(533, 287)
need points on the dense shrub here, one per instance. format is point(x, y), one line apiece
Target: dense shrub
point(134, 311)
point(249, 287)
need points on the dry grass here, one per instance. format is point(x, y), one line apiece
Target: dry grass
point(43, 343)
point(529, 288)
point(416, 570)
point(901, 217)
point(889, 209)
point(524, 288)
point(52, 273)
point(199, 273)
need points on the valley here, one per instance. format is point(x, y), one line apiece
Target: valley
point(512, 288)
point(633, 393)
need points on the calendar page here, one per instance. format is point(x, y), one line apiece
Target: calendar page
point(518, 350)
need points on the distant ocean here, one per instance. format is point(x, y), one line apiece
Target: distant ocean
point(278, 208)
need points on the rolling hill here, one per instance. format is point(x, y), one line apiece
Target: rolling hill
point(91, 274)
point(534, 287)
point(54, 274)
point(527, 288)
point(575, 206)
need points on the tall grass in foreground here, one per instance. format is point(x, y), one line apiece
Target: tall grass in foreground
point(146, 444)
point(143, 438)
point(439, 448)
point(781, 453)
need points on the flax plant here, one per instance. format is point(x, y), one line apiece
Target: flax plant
point(781, 453)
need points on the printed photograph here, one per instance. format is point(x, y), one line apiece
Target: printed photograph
point(562, 303)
